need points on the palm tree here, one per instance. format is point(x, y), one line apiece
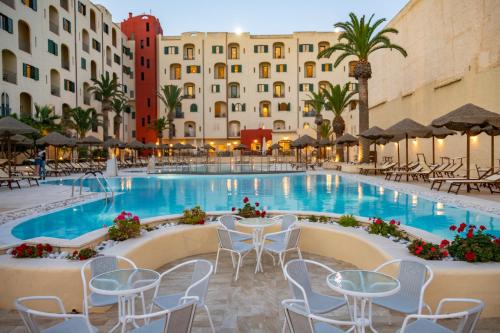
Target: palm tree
point(317, 102)
point(120, 106)
point(171, 96)
point(337, 99)
point(45, 119)
point(359, 39)
point(105, 89)
point(159, 125)
point(82, 121)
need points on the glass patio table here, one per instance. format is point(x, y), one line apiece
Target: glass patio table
point(362, 286)
point(126, 284)
point(257, 224)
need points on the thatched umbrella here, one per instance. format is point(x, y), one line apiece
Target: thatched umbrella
point(208, 147)
point(10, 127)
point(135, 146)
point(188, 146)
point(114, 144)
point(304, 142)
point(375, 133)
point(408, 128)
point(464, 119)
point(347, 140)
point(56, 140)
point(21, 140)
point(240, 147)
point(90, 141)
point(440, 133)
point(492, 131)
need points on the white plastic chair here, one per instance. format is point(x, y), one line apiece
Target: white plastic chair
point(202, 270)
point(414, 278)
point(229, 222)
point(290, 243)
point(74, 323)
point(300, 321)
point(178, 319)
point(100, 265)
point(428, 323)
point(287, 221)
point(226, 243)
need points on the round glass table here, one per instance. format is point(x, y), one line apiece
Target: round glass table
point(362, 286)
point(126, 284)
point(257, 224)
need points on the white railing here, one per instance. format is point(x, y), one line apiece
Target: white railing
point(101, 181)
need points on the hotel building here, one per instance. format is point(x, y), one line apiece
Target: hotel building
point(51, 51)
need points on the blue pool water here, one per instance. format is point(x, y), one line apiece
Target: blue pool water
point(170, 194)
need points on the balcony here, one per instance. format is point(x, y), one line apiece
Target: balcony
point(108, 62)
point(189, 96)
point(234, 96)
point(311, 113)
point(186, 57)
point(275, 95)
point(234, 134)
point(55, 90)
point(189, 134)
point(9, 76)
point(179, 115)
point(264, 114)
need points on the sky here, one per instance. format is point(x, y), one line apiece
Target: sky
point(253, 16)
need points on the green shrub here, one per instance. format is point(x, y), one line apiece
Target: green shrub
point(313, 218)
point(83, 254)
point(324, 219)
point(125, 226)
point(428, 251)
point(194, 216)
point(380, 227)
point(348, 221)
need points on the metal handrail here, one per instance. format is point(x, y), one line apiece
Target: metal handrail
point(106, 189)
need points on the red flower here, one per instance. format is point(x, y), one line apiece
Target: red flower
point(202, 221)
point(392, 222)
point(470, 233)
point(444, 243)
point(75, 253)
point(263, 214)
point(257, 212)
point(445, 253)
point(482, 228)
point(433, 249)
point(460, 229)
point(256, 204)
point(423, 243)
point(245, 200)
point(136, 218)
point(378, 221)
point(497, 241)
point(463, 225)
point(470, 256)
point(123, 212)
point(399, 223)
point(233, 209)
point(453, 228)
point(48, 248)
point(418, 250)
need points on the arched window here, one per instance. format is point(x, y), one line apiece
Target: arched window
point(322, 85)
point(95, 121)
point(279, 125)
point(188, 51)
point(189, 90)
point(108, 55)
point(66, 114)
point(113, 37)
point(189, 129)
point(53, 20)
point(193, 108)
point(234, 129)
point(306, 125)
point(309, 69)
point(220, 110)
point(9, 66)
point(24, 36)
point(25, 105)
point(234, 90)
point(64, 4)
point(93, 70)
point(220, 71)
point(86, 94)
point(5, 106)
point(278, 50)
point(55, 83)
point(278, 89)
point(64, 57)
point(234, 51)
point(175, 72)
point(323, 46)
point(264, 70)
point(265, 109)
point(85, 40)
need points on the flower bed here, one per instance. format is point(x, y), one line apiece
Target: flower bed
point(125, 226)
point(32, 251)
point(195, 215)
point(387, 229)
point(248, 210)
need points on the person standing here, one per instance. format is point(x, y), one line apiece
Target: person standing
point(42, 155)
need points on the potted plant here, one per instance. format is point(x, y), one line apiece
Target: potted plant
point(248, 210)
point(125, 226)
point(195, 215)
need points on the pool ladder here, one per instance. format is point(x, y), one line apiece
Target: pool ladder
point(102, 181)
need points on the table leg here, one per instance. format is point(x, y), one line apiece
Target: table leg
point(121, 314)
point(257, 241)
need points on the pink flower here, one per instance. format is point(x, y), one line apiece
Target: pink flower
point(444, 243)
point(453, 228)
point(135, 218)
point(245, 200)
point(392, 222)
point(256, 204)
point(233, 209)
point(482, 228)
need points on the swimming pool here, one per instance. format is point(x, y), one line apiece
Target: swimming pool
point(171, 194)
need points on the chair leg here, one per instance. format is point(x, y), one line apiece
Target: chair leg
point(284, 327)
point(209, 318)
point(238, 268)
point(216, 261)
point(300, 253)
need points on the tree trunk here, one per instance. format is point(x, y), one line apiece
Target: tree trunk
point(364, 144)
point(338, 126)
point(105, 120)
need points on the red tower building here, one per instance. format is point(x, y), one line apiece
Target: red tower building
point(144, 29)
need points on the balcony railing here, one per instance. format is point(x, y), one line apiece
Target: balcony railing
point(85, 47)
point(173, 77)
point(188, 57)
point(284, 108)
point(234, 134)
point(9, 76)
point(188, 134)
point(24, 46)
point(54, 27)
point(234, 96)
point(55, 90)
point(65, 65)
point(221, 115)
point(108, 62)
point(5, 110)
point(190, 96)
point(179, 114)
point(311, 113)
point(263, 114)
point(279, 95)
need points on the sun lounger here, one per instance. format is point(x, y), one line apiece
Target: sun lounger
point(383, 168)
point(18, 177)
point(491, 181)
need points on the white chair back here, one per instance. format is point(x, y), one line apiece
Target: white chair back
point(287, 221)
point(225, 241)
point(228, 221)
point(292, 238)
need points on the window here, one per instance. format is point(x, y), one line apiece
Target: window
point(220, 110)
point(147, 26)
point(142, 43)
point(306, 48)
point(93, 25)
point(193, 108)
point(279, 89)
point(85, 40)
point(24, 36)
point(149, 119)
point(265, 109)
point(66, 25)
point(260, 48)
point(171, 50)
point(236, 68)
point(69, 85)
point(5, 108)
point(220, 71)
point(284, 107)
point(234, 90)
point(309, 69)
point(264, 72)
point(52, 47)
point(323, 46)
point(147, 41)
point(148, 102)
point(143, 122)
point(31, 72)
point(326, 67)
point(64, 4)
point(215, 88)
point(278, 51)
point(117, 59)
point(175, 72)
point(142, 61)
point(217, 49)
point(192, 69)
point(306, 87)
point(142, 76)
point(280, 68)
point(234, 51)
point(105, 28)
point(189, 52)
point(262, 88)
point(83, 63)
point(189, 90)
point(6, 23)
point(322, 86)
point(113, 37)
point(147, 63)
point(238, 107)
point(82, 9)
point(96, 45)
point(30, 3)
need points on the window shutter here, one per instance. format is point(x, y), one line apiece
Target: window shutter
point(243, 107)
point(218, 88)
point(233, 107)
point(255, 48)
point(301, 88)
point(198, 69)
point(266, 88)
point(311, 47)
point(165, 50)
point(277, 68)
point(214, 48)
point(266, 48)
point(10, 25)
point(176, 50)
point(288, 107)
point(323, 67)
point(25, 70)
point(311, 87)
point(284, 68)
point(300, 48)
point(187, 69)
point(232, 68)
point(240, 68)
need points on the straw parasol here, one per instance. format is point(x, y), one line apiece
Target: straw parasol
point(135, 145)
point(90, 140)
point(208, 147)
point(375, 133)
point(178, 146)
point(21, 140)
point(275, 146)
point(464, 119)
point(240, 147)
point(114, 144)
point(56, 140)
point(348, 140)
point(188, 146)
point(407, 128)
point(440, 133)
point(303, 142)
point(492, 131)
point(10, 127)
